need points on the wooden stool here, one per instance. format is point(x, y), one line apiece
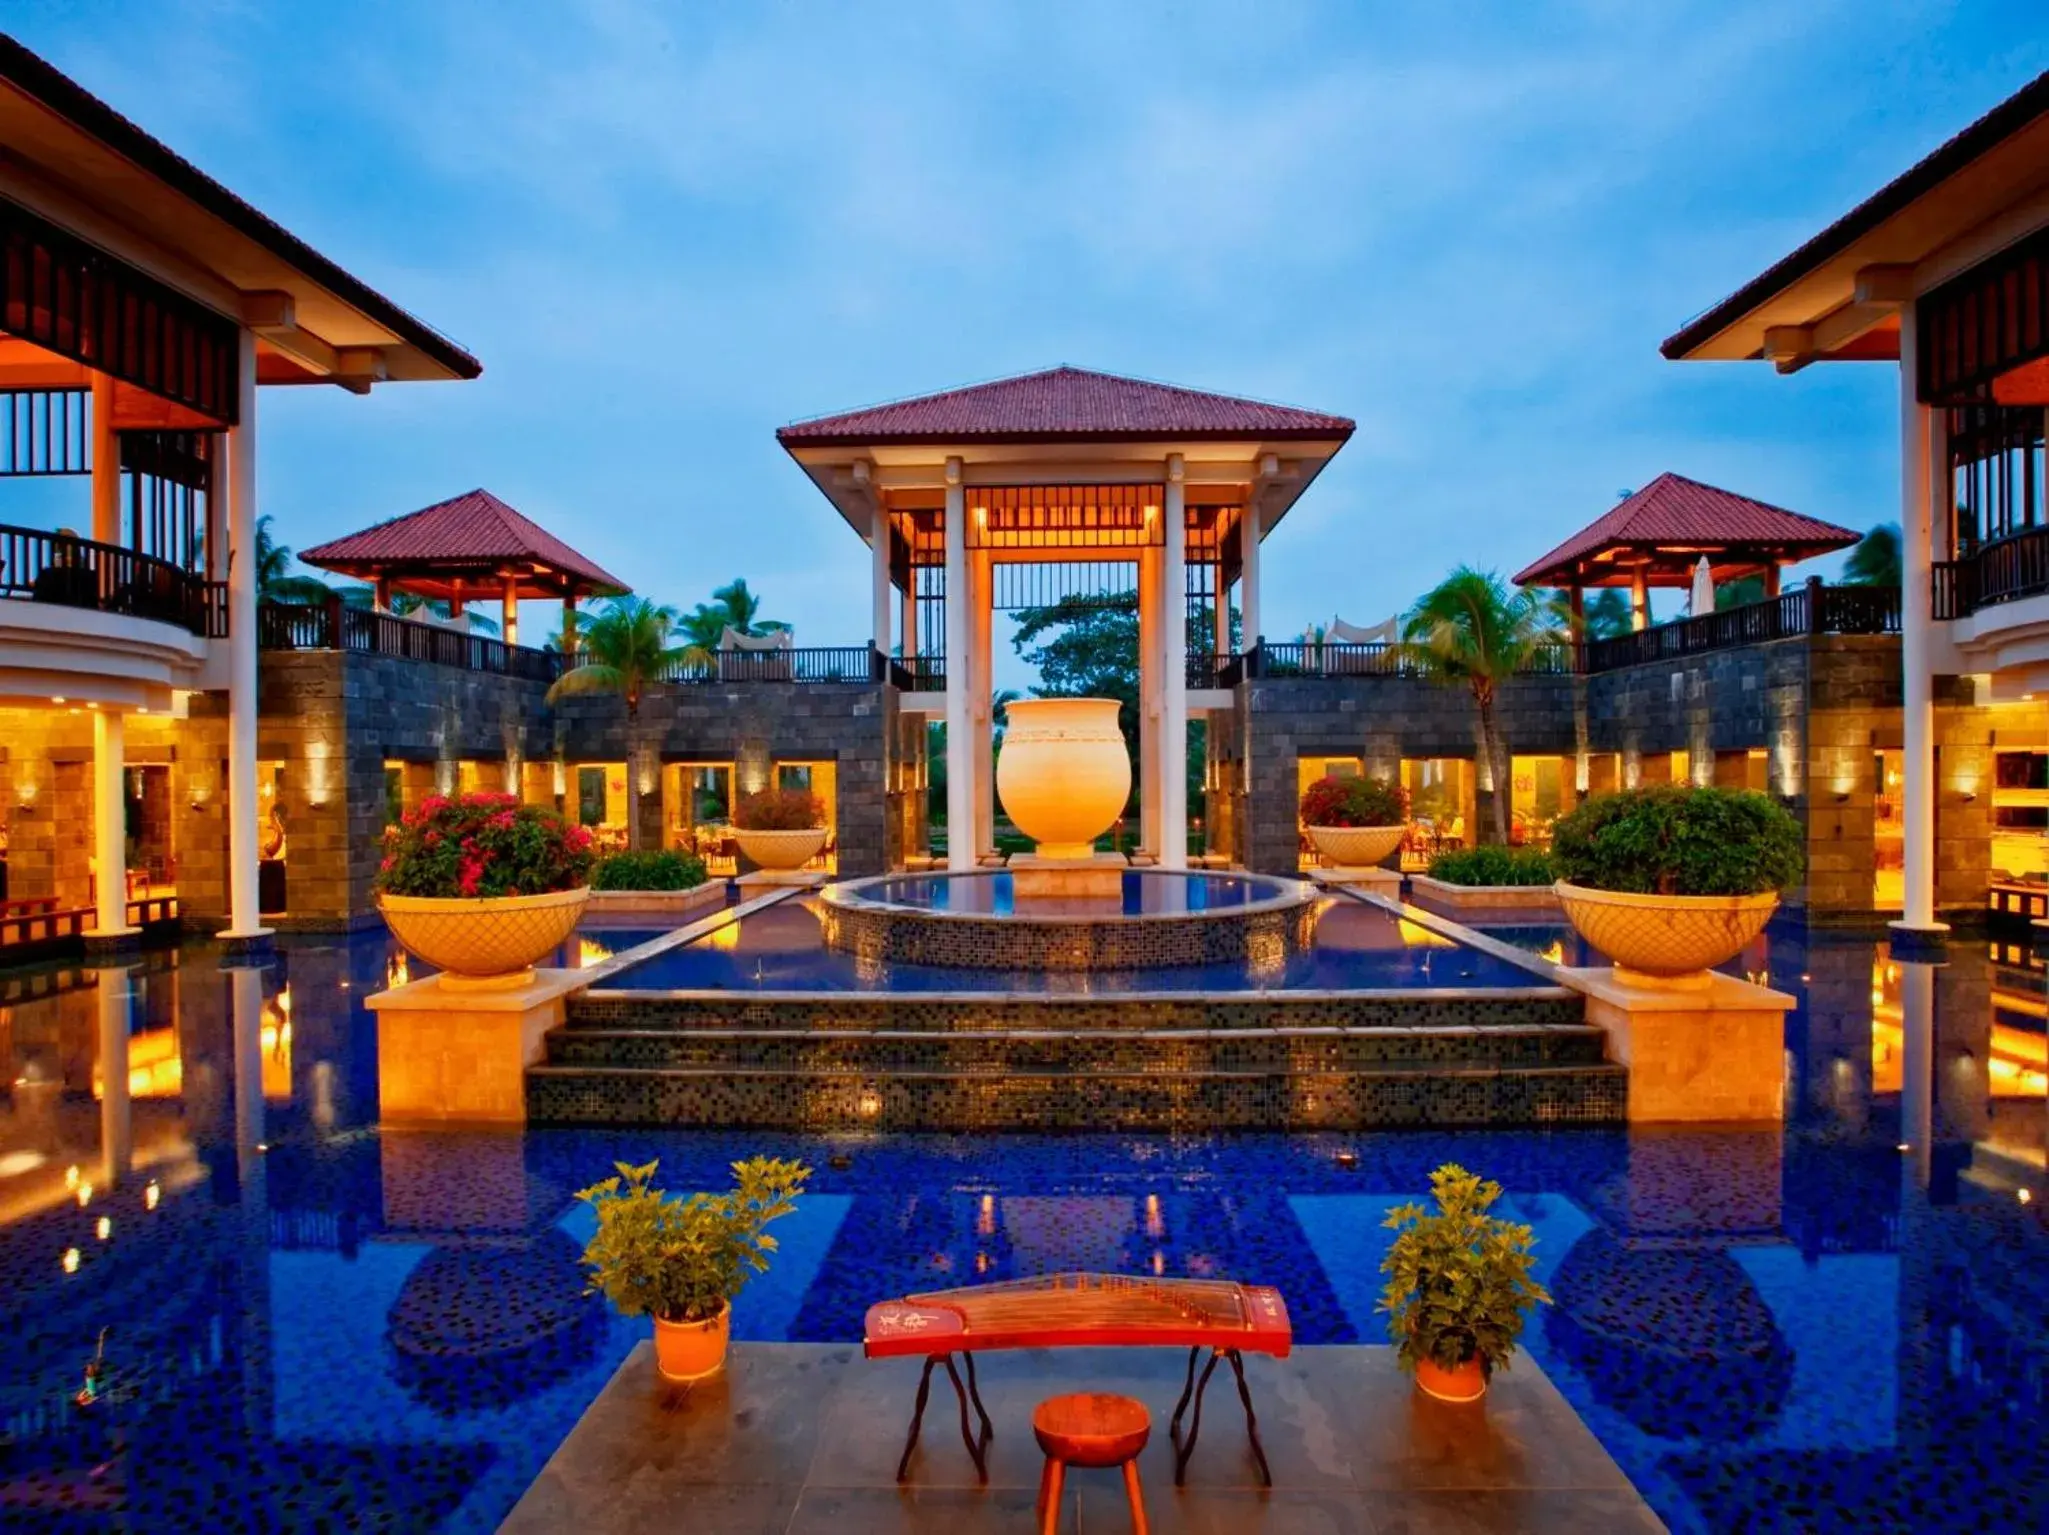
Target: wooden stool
point(1094, 1432)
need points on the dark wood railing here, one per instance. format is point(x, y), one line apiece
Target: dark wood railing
point(2001, 571)
point(333, 625)
point(815, 663)
point(918, 674)
point(1302, 658)
point(79, 573)
point(1810, 609)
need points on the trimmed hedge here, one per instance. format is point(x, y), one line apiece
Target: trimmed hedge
point(1669, 840)
point(1494, 866)
point(664, 870)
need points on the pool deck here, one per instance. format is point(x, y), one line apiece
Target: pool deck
point(805, 1437)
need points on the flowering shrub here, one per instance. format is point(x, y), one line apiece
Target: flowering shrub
point(1354, 802)
point(483, 845)
point(778, 810)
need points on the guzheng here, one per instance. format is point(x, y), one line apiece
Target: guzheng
point(1083, 1311)
point(1080, 1311)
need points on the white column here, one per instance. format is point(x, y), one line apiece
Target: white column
point(879, 567)
point(1917, 632)
point(1248, 577)
point(109, 824)
point(245, 992)
point(960, 759)
point(106, 464)
point(981, 625)
point(1149, 806)
point(1174, 663)
point(242, 915)
point(117, 1123)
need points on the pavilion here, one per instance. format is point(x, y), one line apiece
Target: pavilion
point(468, 547)
point(1025, 490)
point(1657, 536)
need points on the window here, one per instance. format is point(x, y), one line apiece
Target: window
point(590, 796)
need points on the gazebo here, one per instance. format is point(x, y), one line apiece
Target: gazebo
point(469, 547)
point(1657, 536)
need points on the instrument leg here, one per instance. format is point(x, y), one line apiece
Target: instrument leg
point(967, 1434)
point(1183, 1448)
point(1266, 1477)
point(1187, 1391)
point(917, 1414)
point(975, 1396)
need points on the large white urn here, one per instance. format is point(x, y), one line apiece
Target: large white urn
point(1064, 774)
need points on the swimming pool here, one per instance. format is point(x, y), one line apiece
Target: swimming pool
point(1807, 1329)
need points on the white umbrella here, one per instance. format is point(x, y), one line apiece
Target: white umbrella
point(1703, 588)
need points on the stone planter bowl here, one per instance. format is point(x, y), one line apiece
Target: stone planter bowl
point(1356, 847)
point(484, 944)
point(781, 849)
point(1666, 941)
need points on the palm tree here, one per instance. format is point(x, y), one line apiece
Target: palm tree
point(1876, 559)
point(274, 580)
point(622, 650)
point(406, 604)
point(732, 606)
point(1473, 630)
point(1604, 612)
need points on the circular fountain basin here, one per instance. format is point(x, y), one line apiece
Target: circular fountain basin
point(977, 921)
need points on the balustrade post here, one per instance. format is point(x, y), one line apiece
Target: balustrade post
point(1816, 619)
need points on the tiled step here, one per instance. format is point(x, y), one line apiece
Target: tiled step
point(1138, 1051)
point(913, 1012)
point(730, 1096)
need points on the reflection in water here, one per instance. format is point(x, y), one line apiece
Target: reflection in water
point(1837, 1326)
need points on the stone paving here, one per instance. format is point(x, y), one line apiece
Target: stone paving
point(805, 1437)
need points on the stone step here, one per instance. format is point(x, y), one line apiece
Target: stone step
point(760, 1097)
point(950, 1013)
point(1139, 1051)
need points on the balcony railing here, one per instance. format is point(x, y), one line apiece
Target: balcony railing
point(1306, 659)
point(2002, 571)
point(1810, 609)
point(78, 573)
point(816, 663)
point(918, 674)
point(335, 626)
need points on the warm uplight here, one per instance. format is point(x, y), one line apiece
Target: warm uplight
point(1155, 1223)
point(57, 700)
point(985, 1217)
point(869, 1104)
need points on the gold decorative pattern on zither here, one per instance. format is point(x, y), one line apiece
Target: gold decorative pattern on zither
point(1666, 938)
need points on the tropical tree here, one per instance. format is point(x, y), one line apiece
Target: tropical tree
point(1876, 559)
point(732, 606)
point(1473, 631)
point(623, 649)
point(274, 579)
point(407, 604)
point(1604, 612)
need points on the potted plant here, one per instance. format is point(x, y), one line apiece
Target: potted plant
point(481, 886)
point(779, 828)
point(1669, 882)
point(1459, 1286)
point(1355, 822)
point(682, 1261)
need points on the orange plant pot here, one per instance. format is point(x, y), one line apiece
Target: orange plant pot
point(692, 1351)
point(1466, 1383)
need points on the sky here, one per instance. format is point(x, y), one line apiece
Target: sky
point(669, 229)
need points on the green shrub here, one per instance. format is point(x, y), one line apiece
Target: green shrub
point(1459, 1281)
point(1668, 840)
point(664, 870)
point(1354, 802)
point(1494, 866)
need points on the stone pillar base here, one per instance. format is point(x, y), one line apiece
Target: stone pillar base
point(1379, 881)
point(460, 1057)
point(1712, 1056)
point(1910, 939)
point(1033, 878)
point(761, 881)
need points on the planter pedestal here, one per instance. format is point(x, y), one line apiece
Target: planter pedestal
point(460, 1057)
point(1380, 881)
point(1034, 878)
point(761, 881)
point(1717, 1054)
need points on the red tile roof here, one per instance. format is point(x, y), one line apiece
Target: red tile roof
point(1070, 404)
point(468, 532)
point(1675, 510)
